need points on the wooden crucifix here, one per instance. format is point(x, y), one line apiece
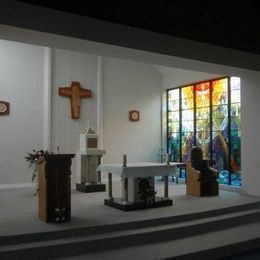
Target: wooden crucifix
point(75, 92)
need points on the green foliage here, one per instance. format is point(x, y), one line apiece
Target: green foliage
point(33, 162)
point(146, 191)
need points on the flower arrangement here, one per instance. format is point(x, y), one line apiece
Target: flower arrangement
point(34, 159)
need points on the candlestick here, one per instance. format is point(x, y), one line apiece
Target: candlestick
point(168, 158)
point(124, 160)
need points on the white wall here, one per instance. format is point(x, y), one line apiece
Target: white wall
point(21, 84)
point(250, 140)
point(174, 77)
point(131, 86)
point(68, 66)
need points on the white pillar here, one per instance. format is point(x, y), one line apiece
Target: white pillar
point(47, 99)
point(100, 102)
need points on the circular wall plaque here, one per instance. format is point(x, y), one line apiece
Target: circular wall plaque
point(4, 108)
point(134, 115)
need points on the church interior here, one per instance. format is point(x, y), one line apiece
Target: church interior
point(113, 96)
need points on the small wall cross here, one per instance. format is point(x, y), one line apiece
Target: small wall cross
point(75, 92)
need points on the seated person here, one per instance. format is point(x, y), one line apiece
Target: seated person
point(201, 165)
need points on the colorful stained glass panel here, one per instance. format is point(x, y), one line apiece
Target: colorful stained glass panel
point(219, 111)
point(174, 146)
point(187, 114)
point(187, 126)
point(187, 97)
point(174, 127)
point(219, 117)
point(235, 109)
point(202, 113)
point(220, 150)
point(236, 179)
point(219, 92)
point(174, 116)
point(236, 158)
point(187, 103)
point(173, 105)
point(235, 123)
point(203, 125)
point(173, 94)
point(234, 83)
point(235, 96)
point(202, 94)
point(205, 148)
point(203, 137)
point(187, 92)
point(187, 120)
point(226, 154)
point(187, 144)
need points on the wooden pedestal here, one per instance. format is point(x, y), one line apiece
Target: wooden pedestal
point(55, 188)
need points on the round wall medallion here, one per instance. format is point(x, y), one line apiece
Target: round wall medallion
point(134, 115)
point(4, 108)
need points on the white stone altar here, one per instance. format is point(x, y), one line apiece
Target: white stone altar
point(88, 157)
point(131, 174)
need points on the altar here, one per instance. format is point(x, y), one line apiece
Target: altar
point(135, 176)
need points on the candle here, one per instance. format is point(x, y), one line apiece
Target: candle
point(168, 158)
point(124, 159)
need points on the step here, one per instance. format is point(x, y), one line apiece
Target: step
point(214, 245)
point(129, 237)
point(101, 229)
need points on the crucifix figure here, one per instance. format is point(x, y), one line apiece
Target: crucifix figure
point(75, 92)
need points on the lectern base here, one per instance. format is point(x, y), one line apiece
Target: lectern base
point(54, 188)
point(87, 188)
point(118, 203)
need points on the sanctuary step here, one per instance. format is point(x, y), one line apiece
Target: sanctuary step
point(112, 239)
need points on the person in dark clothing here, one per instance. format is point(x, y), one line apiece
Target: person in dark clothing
point(199, 163)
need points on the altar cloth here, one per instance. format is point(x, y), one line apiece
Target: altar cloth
point(146, 169)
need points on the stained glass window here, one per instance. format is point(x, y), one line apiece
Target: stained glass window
point(235, 134)
point(174, 123)
point(187, 121)
point(207, 114)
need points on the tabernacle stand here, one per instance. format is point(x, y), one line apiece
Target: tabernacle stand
point(88, 157)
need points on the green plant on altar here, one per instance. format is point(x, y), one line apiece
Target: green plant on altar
point(146, 191)
point(33, 160)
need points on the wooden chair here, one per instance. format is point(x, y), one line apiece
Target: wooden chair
point(201, 179)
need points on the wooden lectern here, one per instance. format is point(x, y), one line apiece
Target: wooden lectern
point(54, 188)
